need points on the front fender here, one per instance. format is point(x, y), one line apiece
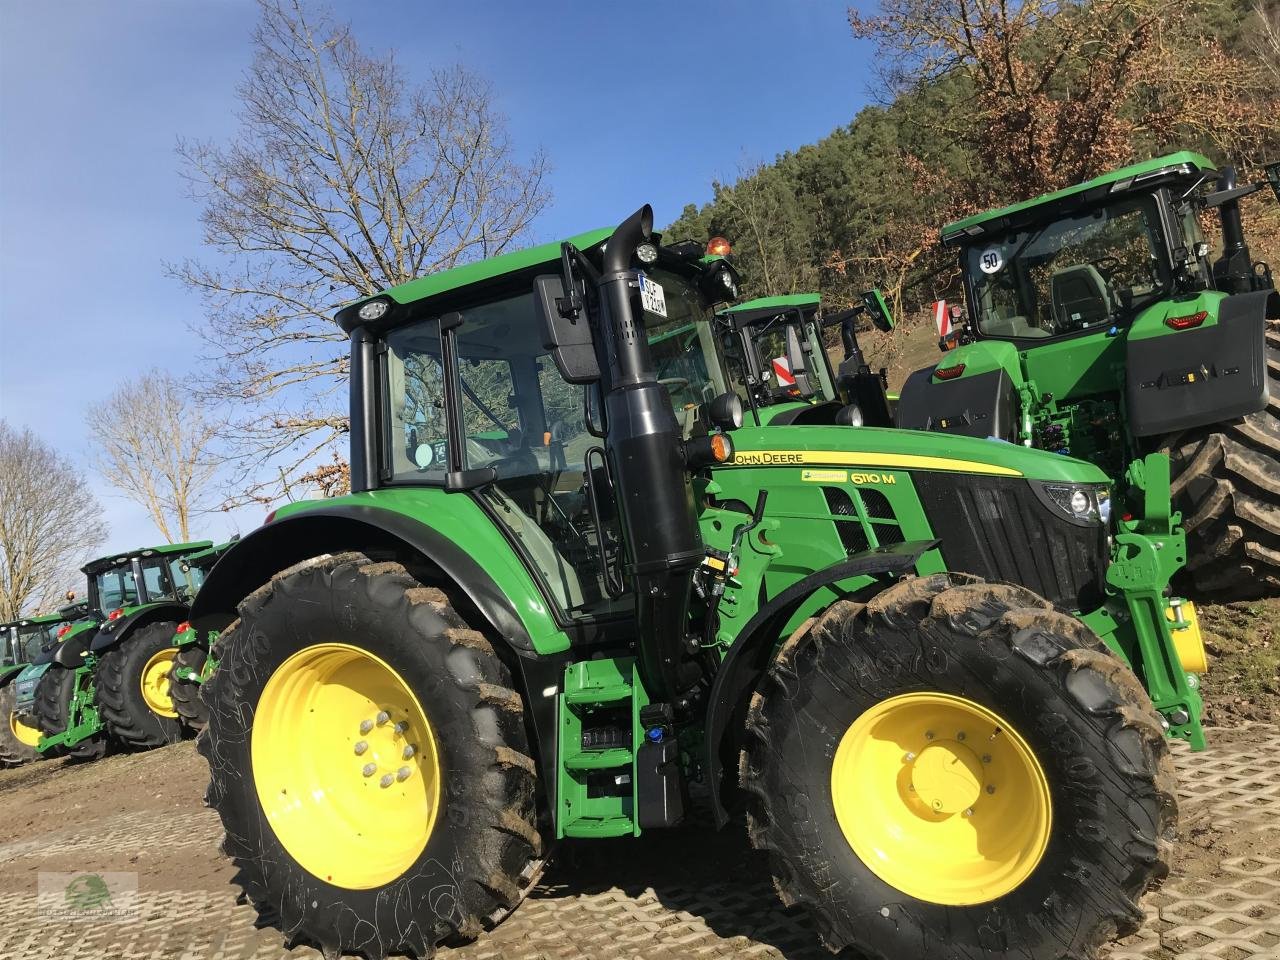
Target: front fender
point(9, 672)
point(114, 632)
point(328, 530)
point(753, 650)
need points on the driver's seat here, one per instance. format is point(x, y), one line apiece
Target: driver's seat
point(1080, 297)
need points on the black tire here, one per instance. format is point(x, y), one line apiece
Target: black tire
point(13, 752)
point(120, 700)
point(186, 695)
point(483, 854)
point(53, 700)
point(1084, 716)
point(1226, 482)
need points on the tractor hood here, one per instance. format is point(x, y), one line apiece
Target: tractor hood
point(885, 450)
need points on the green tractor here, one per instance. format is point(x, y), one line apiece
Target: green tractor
point(107, 679)
point(21, 642)
point(555, 599)
point(193, 662)
point(1099, 327)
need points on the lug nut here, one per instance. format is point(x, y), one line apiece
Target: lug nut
point(408, 751)
point(383, 717)
point(910, 757)
point(366, 726)
point(387, 780)
point(928, 734)
point(401, 726)
point(937, 804)
point(361, 747)
point(969, 812)
point(370, 769)
point(402, 773)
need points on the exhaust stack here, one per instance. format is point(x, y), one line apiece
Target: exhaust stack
point(1233, 273)
point(651, 479)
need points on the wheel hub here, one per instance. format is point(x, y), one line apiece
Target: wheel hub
point(941, 798)
point(26, 735)
point(155, 680)
point(947, 777)
point(346, 765)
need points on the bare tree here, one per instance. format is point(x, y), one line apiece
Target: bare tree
point(342, 181)
point(155, 443)
point(49, 523)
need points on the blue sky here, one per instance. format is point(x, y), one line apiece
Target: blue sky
point(93, 96)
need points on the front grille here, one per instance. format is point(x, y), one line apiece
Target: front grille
point(998, 529)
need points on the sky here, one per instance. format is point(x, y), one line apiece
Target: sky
point(647, 106)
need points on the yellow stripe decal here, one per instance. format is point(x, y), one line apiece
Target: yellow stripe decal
point(847, 458)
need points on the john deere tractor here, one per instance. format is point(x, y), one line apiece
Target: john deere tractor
point(555, 598)
point(1099, 326)
point(107, 679)
point(193, 660)
point(20, 642)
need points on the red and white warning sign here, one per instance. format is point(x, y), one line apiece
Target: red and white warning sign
point(942, 318)
point(782, 370)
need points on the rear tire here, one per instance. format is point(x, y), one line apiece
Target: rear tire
point(121, 698)
point(478, 851)
point(1103, 781)
point(1226, 482)
point(185, 694)
point(13, 752)
point(53, 701)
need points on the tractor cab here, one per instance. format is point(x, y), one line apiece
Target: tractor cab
point(777, 346)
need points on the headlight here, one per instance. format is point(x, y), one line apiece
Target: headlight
point(1081, 502)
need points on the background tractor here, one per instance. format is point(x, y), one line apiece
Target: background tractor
point(21, 642)
point(193, 662)
point(108, 677)
point(1098, 326)
point(556, 596)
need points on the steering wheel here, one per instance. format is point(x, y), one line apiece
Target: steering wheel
point(674, 384)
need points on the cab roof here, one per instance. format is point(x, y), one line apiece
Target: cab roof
point(762, 308)
point(40, 618)
point(115, 559)
point(482, 271)
point(1184, 164)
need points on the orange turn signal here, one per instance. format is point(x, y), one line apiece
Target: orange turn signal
point(718, 247)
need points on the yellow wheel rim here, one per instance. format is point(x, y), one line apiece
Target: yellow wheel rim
point(29, 736)
point(941, 799)
point(155, 682)
point(346, 766)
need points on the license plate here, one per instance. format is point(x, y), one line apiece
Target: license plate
point(652, 297)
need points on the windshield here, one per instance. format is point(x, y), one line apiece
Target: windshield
point(115, 588)
point(34, 637)
point(1092, 268)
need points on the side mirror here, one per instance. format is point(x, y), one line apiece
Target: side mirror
point(566, 332)
point(877, 310)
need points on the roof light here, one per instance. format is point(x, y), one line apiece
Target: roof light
point(373, 310)
point(718, 247)
point(647, 253)
point(948, 373)
point(1188, 322)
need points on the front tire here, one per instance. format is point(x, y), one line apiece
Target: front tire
point(956, 772)
point(368, 759)
point(17, 739)
point(185, 694)
point(133, 688)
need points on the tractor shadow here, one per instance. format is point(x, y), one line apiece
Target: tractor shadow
point(685, 882)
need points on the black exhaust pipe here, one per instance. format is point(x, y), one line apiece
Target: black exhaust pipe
point(1233, 273)
point(651, 480)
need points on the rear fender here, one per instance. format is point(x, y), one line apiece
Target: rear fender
point(755, 646)
point(114, 632)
